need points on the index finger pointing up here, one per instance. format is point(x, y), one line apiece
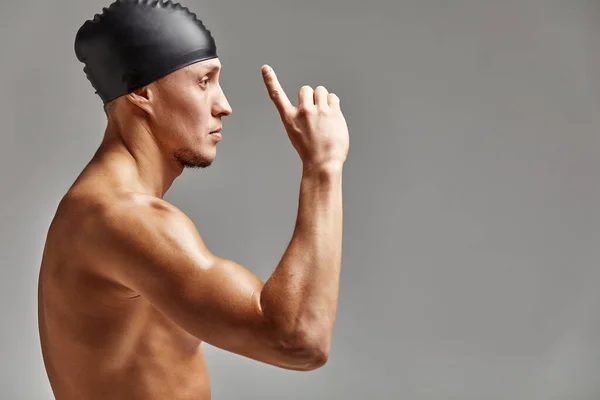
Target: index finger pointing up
point(276, 92)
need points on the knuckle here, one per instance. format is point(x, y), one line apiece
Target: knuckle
point(302, 111)
point(274, 93)
point(287, 119)
point(305, 111)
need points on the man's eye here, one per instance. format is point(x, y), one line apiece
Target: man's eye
point(204, 82)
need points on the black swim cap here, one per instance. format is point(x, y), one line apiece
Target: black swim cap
point(135, 42)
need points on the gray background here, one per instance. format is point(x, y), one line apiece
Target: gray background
point(472, 203)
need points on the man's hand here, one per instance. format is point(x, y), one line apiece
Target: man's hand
point(316, 128)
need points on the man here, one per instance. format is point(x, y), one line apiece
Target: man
point(128, 290)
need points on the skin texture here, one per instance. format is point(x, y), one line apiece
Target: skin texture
point(128, 291)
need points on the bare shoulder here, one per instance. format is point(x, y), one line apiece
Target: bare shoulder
point(142, 220)
point(128, 229)
point(93, 215)
point(130, 210)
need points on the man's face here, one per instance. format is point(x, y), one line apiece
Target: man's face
point(188, 106)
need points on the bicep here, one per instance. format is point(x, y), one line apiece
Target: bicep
point(215, 299)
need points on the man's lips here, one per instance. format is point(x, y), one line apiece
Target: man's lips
point(216, 134)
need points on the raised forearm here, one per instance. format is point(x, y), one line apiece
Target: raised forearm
point(300, 298)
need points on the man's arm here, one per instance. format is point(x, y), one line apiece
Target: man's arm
point(287, 322)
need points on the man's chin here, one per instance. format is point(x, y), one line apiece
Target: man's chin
point(197, 165)
point(189, 159)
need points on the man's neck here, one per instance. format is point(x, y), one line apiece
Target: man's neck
point(137, 157)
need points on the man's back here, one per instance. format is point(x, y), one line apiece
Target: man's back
point(100, 339)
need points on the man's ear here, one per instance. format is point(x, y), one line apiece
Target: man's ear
point(142, 98)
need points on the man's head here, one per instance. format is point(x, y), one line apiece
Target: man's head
point(182, 110)
point(153, 61)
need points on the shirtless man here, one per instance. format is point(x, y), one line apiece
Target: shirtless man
point(128, 290)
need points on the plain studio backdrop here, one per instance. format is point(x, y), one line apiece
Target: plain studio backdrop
point(471, 192)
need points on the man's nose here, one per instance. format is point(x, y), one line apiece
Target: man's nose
point(222, 106)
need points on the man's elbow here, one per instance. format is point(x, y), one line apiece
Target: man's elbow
point(307, 352)
point(320, 356)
